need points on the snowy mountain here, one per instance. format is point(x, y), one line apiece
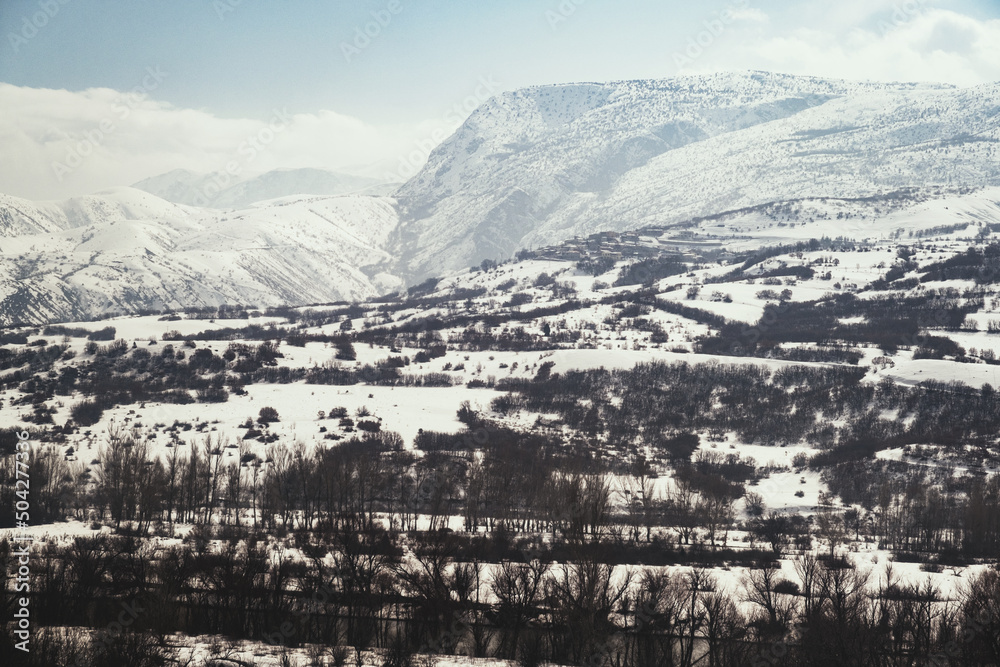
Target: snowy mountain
point(217, 190)
point(534, 166)
point(734, 160)
point(124, 250)
point(19, 217)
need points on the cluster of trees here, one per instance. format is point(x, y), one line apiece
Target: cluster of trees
point(104, 334)
point(499, 481)
point(116, 374)
point(981, 265)
point(659, 407)
point(354, 588)
point(386, 373)
point(829, 407)
point(648, 271)
point(247, 332)
point(918, 509)
point(889, 323)
point(496, 480)
point(37, 358)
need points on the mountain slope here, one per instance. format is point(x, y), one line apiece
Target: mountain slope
point(19, 217)
point(731, 160)
point(149, 254)
point(542, 164)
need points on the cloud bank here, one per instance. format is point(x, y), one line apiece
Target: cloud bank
point(903, 40)
point(58, 143)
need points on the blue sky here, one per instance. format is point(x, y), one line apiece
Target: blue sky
point(240, 60)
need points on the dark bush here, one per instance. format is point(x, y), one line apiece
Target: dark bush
point(87, 412)
point(267, 415)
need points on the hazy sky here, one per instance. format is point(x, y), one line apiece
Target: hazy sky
point(358, 85)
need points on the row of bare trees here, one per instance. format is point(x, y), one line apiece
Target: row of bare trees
point(521, 484)
point(359, 589)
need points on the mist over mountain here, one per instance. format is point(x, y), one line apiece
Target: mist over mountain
point(216, 190)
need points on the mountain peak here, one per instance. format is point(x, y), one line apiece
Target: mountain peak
point(536, 165)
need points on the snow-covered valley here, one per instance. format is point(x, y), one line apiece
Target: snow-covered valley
point(660, 366)
point(689, 371)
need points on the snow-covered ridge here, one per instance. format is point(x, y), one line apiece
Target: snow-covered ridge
point(126, 251)
point(731, 154)
point(535, 166)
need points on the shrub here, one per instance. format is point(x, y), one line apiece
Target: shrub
point(519, 299)
point(680, 447)
point(345, 349)
point(87, 412)
point(544, 371)
point(369, 425)
point(787, 587)
point(213, 395)
point(267, 415)
point(432, 441)
point(544, 280)
point(467, 415)
point(107, 333)
point(506, 404)
point(429, 380)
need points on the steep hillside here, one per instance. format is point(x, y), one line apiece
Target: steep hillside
point(20, 217)
point(539, 165)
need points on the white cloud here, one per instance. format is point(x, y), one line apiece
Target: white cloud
point(899, 41)
point(59, 143)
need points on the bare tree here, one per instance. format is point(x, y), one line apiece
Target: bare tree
point(583, 596)
point(518, 588)
point(774, 611)
point(831, 529)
